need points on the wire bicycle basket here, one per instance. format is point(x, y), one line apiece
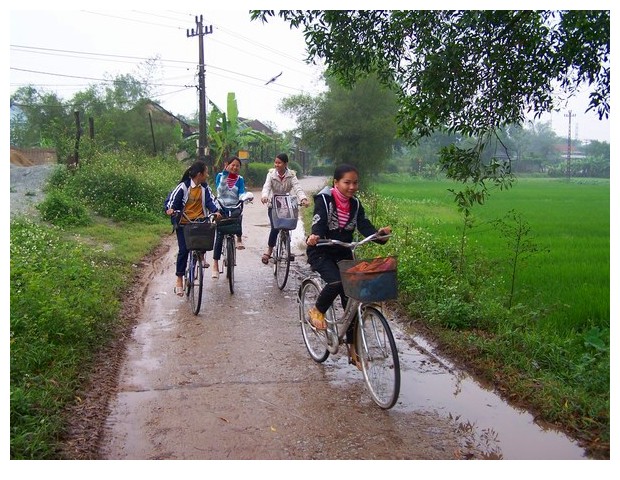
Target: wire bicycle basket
point(371, 280)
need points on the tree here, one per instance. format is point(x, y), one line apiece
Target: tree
point(40, 118)
point(349, 126)
point(468, 71)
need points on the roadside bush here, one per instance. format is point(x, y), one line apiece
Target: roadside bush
point(256, 173)
point(64, 304)
point(117, 186)
point(62, 210)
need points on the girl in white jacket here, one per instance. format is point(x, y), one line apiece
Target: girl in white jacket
point(280, 180)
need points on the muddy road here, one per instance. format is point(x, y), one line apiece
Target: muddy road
point(236, 382)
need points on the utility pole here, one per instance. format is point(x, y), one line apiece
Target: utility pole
point(200, 32)
point(569, 146)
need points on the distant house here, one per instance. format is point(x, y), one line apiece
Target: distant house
point(257, 125)
point(186, 128)
point(575, 151)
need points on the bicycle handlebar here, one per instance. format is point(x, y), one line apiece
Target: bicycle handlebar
point(352, 245)
point(179, 213)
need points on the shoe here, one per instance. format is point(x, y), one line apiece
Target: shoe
point(265, 258)
point(291, 257)
point(178, 291)
point(354, 359)
point(215, 273)
point(317, 319)
point(240, 246)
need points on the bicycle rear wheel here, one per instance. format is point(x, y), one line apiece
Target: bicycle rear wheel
point(282, 258)
point(315, 340)
point(230, 262)
point(196, 276)
point(376, 349)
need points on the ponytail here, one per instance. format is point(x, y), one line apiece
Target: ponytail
point(194, 169)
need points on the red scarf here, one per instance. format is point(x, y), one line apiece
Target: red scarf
point(343, 207)
point(231, 179)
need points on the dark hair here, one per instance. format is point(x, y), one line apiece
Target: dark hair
point(342, 169)
point(283, 157)
point(194, 169)
point(232, 159)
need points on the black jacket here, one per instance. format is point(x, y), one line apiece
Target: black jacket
point(325, 225)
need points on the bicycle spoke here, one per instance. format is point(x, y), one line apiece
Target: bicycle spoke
point(315, 340)
point(379, 358)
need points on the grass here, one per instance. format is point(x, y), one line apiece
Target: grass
point(552, 347)
point(67, 285)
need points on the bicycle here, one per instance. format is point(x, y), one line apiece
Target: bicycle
point(374, 342)
point(199, 236)
point(284, 213)
point(230, 227)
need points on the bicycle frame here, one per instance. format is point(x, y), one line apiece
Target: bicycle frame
point(374, 348)
point(338, 326)
point(229, 259)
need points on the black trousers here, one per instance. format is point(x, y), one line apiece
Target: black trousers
point(327, 267)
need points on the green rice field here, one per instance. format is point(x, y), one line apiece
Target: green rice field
point(569, 224)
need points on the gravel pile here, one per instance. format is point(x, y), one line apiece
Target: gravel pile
point(27, 187)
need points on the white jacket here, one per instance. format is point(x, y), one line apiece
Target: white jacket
point(290, 184)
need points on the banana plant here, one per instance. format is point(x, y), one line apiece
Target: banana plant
point(227, 134)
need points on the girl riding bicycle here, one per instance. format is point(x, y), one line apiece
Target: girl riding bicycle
point(280, 180)
point(337, 214)
point(229, 185)
point(193, 197)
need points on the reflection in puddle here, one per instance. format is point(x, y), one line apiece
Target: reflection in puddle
point(487, 422)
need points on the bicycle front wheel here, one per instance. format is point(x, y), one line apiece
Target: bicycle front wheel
point(315, 340)
point(376, 349)
point(196, 276)
point(282, 258)
point(230, 262)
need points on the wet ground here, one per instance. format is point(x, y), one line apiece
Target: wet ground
point(235, 382)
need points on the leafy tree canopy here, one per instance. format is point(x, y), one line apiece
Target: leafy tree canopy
point(348, 125)
point(469, 71)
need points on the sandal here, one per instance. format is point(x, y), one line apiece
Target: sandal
point(178, 291)
point(265, 258)
point(354, 359)
point(317, 319)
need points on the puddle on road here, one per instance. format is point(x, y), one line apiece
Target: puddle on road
point(430, 383)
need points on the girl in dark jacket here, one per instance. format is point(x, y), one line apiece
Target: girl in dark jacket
point(193, 197)
point(337, 214)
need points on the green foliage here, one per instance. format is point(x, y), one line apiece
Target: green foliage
point(521, 246)
point(552, 345)
point(256, 173)
point(227, 134)
point(353, 126)
point(468, 70)
point(121, 116)
point(118, 187)
point(62, 210)
point(64, 304)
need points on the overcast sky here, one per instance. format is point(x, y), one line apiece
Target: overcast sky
point(66, 50)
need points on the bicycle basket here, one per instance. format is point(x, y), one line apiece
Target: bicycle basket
point(229, 226)
point(369, 280)
point(284, 212)
point(199, 235)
